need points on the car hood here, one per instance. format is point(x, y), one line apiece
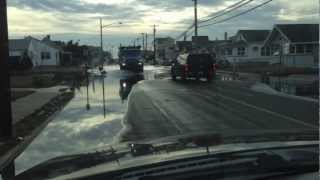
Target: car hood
point(121, 157)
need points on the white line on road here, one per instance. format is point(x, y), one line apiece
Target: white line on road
point(166, 115)
point(266, 111)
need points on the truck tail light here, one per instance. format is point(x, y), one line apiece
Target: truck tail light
point(186, 68)
point(214, 67)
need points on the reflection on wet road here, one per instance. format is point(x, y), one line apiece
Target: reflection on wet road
point(77, 130)
point(126, 84)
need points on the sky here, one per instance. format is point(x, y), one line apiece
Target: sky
point(78, 20)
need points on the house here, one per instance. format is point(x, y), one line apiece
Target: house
point(40, 53)
point(299, 42)
point(165, 50)
point(245, 46)
point(65, 57)
point(198, 44)
point(183, 46)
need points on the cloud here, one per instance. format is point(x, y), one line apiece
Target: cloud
point(74, 6)
point(80, 17)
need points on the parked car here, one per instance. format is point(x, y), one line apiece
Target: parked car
point(193, 66)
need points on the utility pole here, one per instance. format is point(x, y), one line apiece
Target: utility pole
point(6, 129)
point(146, 41)
point(154, 44)
point(280, 63)
point(143, 47)
point(195, 17)
point(101, 42)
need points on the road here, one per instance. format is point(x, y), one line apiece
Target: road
point(155, 108)
point(164, 108)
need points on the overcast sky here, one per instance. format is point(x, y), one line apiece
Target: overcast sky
point(78, 19)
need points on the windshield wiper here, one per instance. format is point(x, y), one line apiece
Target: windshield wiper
point(258, 165)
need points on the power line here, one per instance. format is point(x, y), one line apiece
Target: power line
point(184, 33)
point(239, 5)
point(223, 10)
point(242, 13)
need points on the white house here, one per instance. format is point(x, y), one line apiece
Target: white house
point(165, 50)
point(299, 42)
point(39, 52)
point(246, 46)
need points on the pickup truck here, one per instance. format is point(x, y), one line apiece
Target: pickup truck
point(193, 66)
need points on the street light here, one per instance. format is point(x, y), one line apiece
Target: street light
point(101, 41)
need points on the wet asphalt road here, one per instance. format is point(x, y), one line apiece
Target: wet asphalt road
point(76, 130)
point(164, 108)
point(160, 108)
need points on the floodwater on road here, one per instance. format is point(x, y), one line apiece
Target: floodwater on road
point(75, 129)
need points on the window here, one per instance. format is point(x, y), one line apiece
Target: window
point(263, 51)
point(309, 48)
point(241, 51)
point(292, 49)
point(275, 48)
point(268, 51)
point(255, 48)
point(45, 55)
point(300, 49)
point(228, 51)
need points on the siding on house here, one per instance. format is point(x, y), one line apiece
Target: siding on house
point(299, 44)
point(43, 55)
point(40, 53)
point(246, 47)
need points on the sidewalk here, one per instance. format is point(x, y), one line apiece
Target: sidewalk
point(253, 77)
point(25, 106)
point(31, 114)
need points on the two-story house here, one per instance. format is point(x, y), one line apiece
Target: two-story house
point(40, 53)
point(245, 46)
point(299, 42)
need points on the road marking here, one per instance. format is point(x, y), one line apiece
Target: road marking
point(237, 92)
point(266, 111)
point(166, 115)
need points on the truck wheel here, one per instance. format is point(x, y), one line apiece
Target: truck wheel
point(197, 77)
point(209, 78)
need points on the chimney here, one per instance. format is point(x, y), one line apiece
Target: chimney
point(225, 36)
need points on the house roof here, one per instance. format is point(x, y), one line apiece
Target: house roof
point(300, 32)
point(19, 44)
point(254, 35)
point(164, 40)
point(184, 44)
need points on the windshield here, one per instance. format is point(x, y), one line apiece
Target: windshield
point(82, 76)
point(131, 54)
